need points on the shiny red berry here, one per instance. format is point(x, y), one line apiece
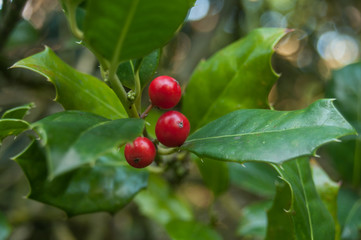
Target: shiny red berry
point(172, 129)
point(164, 92)
point(140, 153)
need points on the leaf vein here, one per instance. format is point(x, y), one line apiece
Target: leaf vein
point(306, 200)
point(248, 133)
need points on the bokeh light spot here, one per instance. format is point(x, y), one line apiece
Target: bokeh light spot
point(338, 49)
point(199, 11)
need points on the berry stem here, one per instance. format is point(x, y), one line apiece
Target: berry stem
point(166, 151)
point(145, 113)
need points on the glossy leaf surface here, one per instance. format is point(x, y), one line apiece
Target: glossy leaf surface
point(75, 90)
point(159, 203)
point(125, 30)
point(74, 138)
point(266, 135)
point(237, 77)
point(190, 230)
point(18, 112)
point(147, 68)
point(306, 217)
point(106, 186)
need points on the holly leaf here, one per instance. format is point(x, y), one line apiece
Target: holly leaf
point(18, 112)
point(120, 30)
point(298, 211)
point(10, 127)
point(147, 67)
point(279, 217)
point(267, 135)
point(75, 90)
point(237, 77)
point(74, 138)
point(108, 185)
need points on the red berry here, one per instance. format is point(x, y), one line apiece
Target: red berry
point(164, 92)
point(140, 153)
point(172, 129)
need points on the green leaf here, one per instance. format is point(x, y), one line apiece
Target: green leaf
point(148, 66)
point(257, 178)
point(215, 174)
point(5, 227)
point(190, 230)
point(279, 216)
point(253, 223)
point(349, 212)
point(106, 186)
point(159, 203)
point(328, 191)
point(18, 112)
point(307, 217)
point(74, 138)
point(237, 77)
point(270, 136)
point(120, 30)
point(10, 127)
point(75, 90)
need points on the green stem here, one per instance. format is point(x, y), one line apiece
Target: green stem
point(113, 78)
point(71, 16)
point(122, 95)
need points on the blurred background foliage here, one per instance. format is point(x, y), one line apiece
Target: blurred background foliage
point(326, 38)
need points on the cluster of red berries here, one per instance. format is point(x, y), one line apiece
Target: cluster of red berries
point(172, 127)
